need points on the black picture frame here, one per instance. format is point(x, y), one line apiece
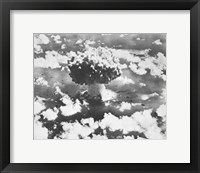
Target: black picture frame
point(7, 5)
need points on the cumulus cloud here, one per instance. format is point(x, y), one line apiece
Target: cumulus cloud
point(63, 46)
point(79, 41)
point(164, 94)
point(123, 66)
point(121, 35)
point(148, 124)
point(39, 131)
point(141, 122)
point(126, 124)
point(125, 54)
point(38, 49)
point(156, 65)
point(161, 60)
point(110, 121)
point(61, 59)
point(142, 84)
point(41, 81)
point(41, 39)
point(124, 106)
point(90, 122)
point(46, 63)
point(88, 42)
point(107, 94)
point(75, 130)
point(58, 90)
point(144, 52)
point(52, 60)
point(144, 118)
point(154, 132)
point(124, 80)
point(137, 70)
point(157, 42)
point(162, 110)
point(50, 114)
point(56, 38)
point(148, 96)
point(71, 107)
point(38, 105)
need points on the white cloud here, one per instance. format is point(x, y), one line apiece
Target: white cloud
point(38, 49)
point(126, 124)
point(56, 38)
point(129, 137)
point(88, 42)
point(61, 59)
point(123, 66)
point(156, 65)
point(58, 91)
point(154, 132)
point(144, 118)
point(161, 60)
point(79, 41)
point(162, 110)
point(135, 69)
point(125, 54)
point(50, 114)
point(107, 94)
point(157, 42)
point(38, 105)
point(141, 39)
point(148, 124)
point(52, 60)
point(148, 96)
point(141, 122)
point(124, 106)
point(110, 121)
point(164, 93)
point(46, 63)
point(90, 122)
point(63, 46)
point(75, 131)
point(124, 80)
point(41, 39)
point(147, 63)
point(41, 81)
point(142, 84)
point(129, 124)
point(71, 54)
point(71, 107)
point(140, 52)
point(39, 131)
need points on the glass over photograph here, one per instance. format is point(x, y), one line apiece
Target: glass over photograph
point(99, 86)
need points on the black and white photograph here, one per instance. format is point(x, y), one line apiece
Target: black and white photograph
point(99, 86)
